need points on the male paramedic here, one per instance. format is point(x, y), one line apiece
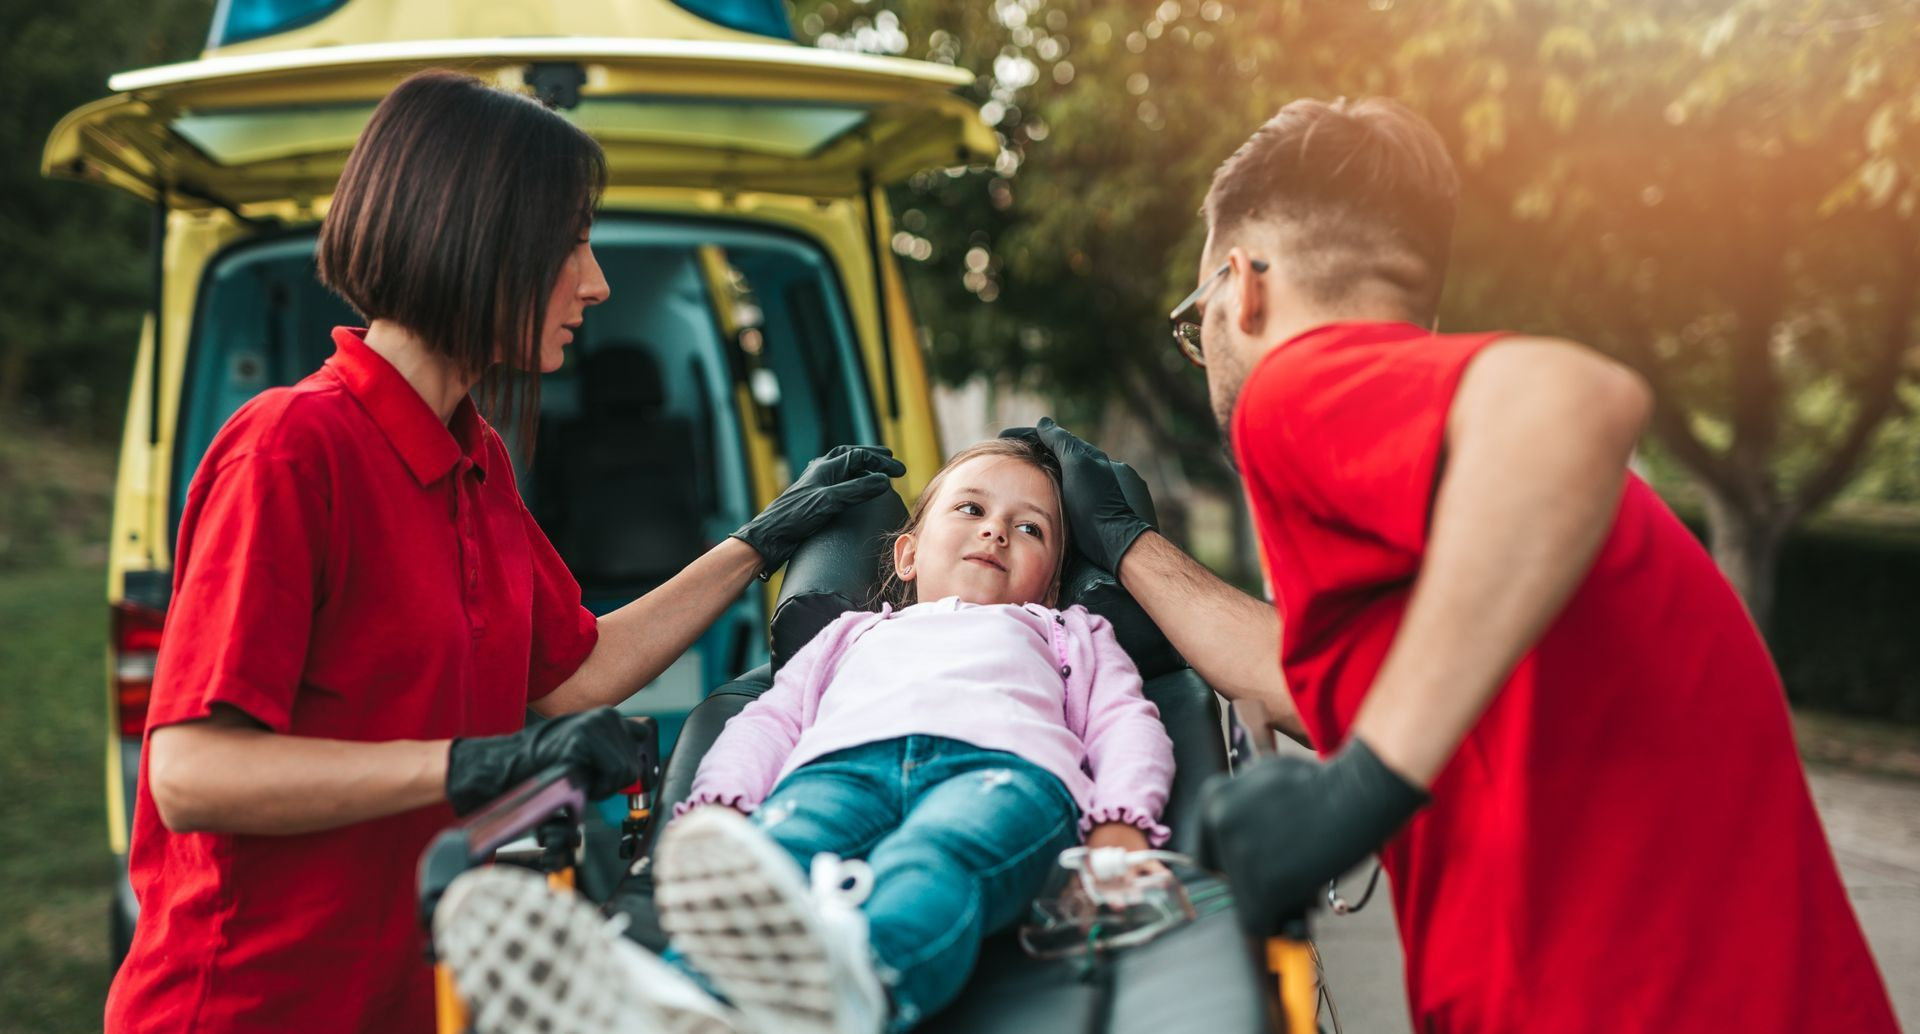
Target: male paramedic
point(1531, 691)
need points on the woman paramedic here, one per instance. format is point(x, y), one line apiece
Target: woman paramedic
point(362, 607)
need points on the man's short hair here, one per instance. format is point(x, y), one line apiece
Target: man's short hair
point(453, 216)
point(1357, 190)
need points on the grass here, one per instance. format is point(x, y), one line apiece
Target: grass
point(58, 498)
point(55, 868)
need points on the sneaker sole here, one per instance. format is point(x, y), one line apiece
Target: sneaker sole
point(736, 905)
point(528, 960)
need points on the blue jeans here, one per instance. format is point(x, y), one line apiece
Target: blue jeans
point(960, 840)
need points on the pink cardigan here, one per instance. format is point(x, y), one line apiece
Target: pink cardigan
point(1124, 774)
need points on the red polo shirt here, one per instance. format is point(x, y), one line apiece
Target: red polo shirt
point(349, 568)
point(1625, 841)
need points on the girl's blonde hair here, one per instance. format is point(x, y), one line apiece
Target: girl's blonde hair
point(900, 592)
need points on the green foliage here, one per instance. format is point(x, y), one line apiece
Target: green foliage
point(1719, 193)
point(1055, 267)
point(74, 277)
point(1843, 629)
point(1892, 472)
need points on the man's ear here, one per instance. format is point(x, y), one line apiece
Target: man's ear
point(903, 550)
point(1249, 294)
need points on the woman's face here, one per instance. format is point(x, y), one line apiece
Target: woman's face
point(579, 285)
point(991, 535)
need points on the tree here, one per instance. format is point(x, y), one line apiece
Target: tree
point(74, 274)
point(1719, 216)
point(1719, 194)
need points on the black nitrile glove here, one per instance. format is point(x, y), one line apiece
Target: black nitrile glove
point(847, 476)
point(1284, 827)
point(599, 744)
point(1104, 524)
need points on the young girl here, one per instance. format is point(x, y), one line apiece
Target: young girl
point(927, 764)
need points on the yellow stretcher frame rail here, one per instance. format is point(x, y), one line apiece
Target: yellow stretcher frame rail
point(1290, 962)
point(549, 806)
point(449, 1012)
point(1288, 959)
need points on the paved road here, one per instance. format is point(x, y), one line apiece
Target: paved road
point(1873, 822)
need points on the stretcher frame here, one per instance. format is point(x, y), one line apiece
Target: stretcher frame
point(551, 808)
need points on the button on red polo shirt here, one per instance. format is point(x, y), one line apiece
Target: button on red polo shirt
point(348, 568)
point(1625, 841)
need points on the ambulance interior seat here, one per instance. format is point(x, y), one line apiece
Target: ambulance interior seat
point(620, 484)
point(1200, 977)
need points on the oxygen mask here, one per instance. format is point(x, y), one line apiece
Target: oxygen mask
point(1101, 899)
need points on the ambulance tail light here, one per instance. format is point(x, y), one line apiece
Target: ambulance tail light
point(136, 645)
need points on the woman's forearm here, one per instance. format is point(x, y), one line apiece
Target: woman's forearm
point(227, 777)
point(640, 640)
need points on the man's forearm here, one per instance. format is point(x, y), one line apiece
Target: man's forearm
point(1537, 449)
point(640, 640)
point(1231, 639)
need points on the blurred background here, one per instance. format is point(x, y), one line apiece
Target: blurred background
point(1721, 194)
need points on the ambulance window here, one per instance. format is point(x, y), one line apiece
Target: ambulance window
point(801, 330)
point(634, 473)
point(640, 460)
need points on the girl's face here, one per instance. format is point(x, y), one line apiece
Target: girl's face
point(991, 535)
point(579, 285)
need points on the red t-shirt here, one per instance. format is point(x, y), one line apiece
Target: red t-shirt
point(348, 568)
point(1625, 841)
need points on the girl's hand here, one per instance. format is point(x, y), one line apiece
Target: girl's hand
point(1122, 835)
point(1116, 834)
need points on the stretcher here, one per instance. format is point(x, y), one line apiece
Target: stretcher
point(1205, 976)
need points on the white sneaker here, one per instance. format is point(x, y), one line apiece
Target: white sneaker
point(792, 960)
point(529, 960)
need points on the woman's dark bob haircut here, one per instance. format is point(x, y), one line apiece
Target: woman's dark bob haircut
point(452, 219)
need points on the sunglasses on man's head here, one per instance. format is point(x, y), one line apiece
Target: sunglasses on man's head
point(1186, 316)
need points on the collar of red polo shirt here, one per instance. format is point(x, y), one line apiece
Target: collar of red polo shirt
point(429, 447)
